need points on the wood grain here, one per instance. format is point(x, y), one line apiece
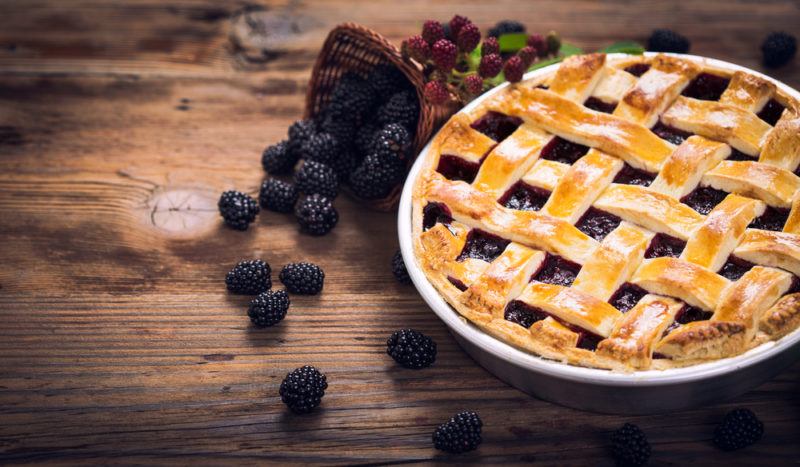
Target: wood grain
point(120, 124)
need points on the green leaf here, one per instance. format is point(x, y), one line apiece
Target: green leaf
point(626, 47)
point(545, 63)
point(512, 42)
point(568, 49)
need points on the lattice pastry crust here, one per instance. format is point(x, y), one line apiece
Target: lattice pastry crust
point(630, 214)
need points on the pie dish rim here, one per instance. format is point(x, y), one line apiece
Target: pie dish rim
point(530, 361)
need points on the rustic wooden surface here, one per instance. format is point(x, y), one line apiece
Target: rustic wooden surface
point(120, 124)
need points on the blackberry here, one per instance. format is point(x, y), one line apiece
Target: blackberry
point(387, 80)
point(237, 209)
point(339, 122)
point(346, 163)
point(444, 54)
point(436, 92)
point(277, 159)
point(778, 48)
point(473, 84)
point(302, 389)
point(320, 147)
point(402, 108)
point(432, 31)
point(417, 48)
point(354, 90)
point(269, 308)
point(399, 269)
point(277, 195)
point(302, 278)
point(299, 132)
point(376, 176)
point(314, 177)
point(514, 69)
point(249, 277)
point(664, 40)
point(365, 136)
point(392, 140)
point(411, 349)
point(629, 446)
point(468, 38)
point(506, 26)
point(461, 434)
point(457, 22)
point(740, 428)
point(490, 66)
point(316, 215)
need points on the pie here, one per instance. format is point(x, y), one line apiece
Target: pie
point(627, 213)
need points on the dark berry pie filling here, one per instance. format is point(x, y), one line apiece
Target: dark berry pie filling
point(561, 150)
point(664, 245)
point(772, 219)
point(496, 125)
point(686, 315)
point(597, 224)
point(706, 87)
point(457, 168)
point(771, 112)
point(524, 197)
point(482, 245)
point(523, 314)
point(704, 199)
point(670, 134)
point(626, 297)
point(557, 271)
point(737, 155)
point(734, 268)
point(638, 69)
point(631, 176)
point(435, 213)
point(600, 106)
point(459, 284)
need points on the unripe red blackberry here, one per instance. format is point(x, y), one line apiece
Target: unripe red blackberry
point(538, 43)
point(490, 66)
point(432, 31)
point(436, 92)
point(490, 46)
point(469, 37)
point(418, 49)
point(456, 23)
point(444, 55)
point(473, 84)
point(528, 55)
point(514, 69)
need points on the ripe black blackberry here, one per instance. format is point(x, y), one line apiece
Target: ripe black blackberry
point(277, 159)
point(346, 163)
point(237, 209)
point(664, 40)
point(778, 48)
point(365, 137)
point(269, 308)
point(399, 269)
point(355, 93)
point(302, 278)
point(377, 176)
point(299, 132)
point(302, 389)
point(320, 147)
point(629, 446)
point(386, 80)
point(249, 277)
point(392, 140)
point(277, 195)
point(340, 122)
point(506, 26)
point(740, 428)
point(316, 215)
point(411, 349)
point(315, 177)
point(461, 433)
point(402, 108)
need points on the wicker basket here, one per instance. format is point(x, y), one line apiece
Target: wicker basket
point(352, 47)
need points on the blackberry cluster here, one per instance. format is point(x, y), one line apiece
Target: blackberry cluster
point(249, 277)
point(664, 40)
point(316, 215)
point(778, 48)
point(316, 177)
point(386, 80)
point(399, 269)
point(506, 26)
point(302, 389)
point(347, 162)
point(269, 308)
point(277, 195)
point(377, 176)
point(411, 349)
point(740, 428)
point(277, 159)
point(461, 434)
point(237, 209)
point(299, 132)
point(302, 278)
point(402, 108)
point(320, 147)
point(629, 446)
point(391, 141)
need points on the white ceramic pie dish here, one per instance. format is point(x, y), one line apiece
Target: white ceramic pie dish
point(595, 389)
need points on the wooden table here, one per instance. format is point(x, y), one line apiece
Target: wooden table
point(120, 124)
